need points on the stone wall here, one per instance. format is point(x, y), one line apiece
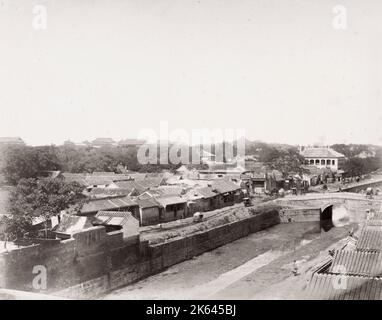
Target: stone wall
point(156, 258)
point(356, 205)
point(363, 186)
point(94, 262)
point(88, 255)
point(300, 215)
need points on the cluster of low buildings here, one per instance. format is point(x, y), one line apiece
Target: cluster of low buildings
point(355, 271)
point(151, 200)
point(102, 142)
point(128, 201)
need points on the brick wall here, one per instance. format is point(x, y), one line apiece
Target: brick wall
point(93, 262)
point(156, 258)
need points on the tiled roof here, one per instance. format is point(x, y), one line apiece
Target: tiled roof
point(140, 185)
point(321, 153)
point(341, 287)
point(94, 179)
point(107, 204)
point(70, 223)
point(375, 219)
point(107, 192)
point(168, 191)
point(115, 218)
point(357, 263)
point(147, 203)
point(223, 186)
point(370, 239)
point(165, 201)
point(206, 192)
point(98, 180)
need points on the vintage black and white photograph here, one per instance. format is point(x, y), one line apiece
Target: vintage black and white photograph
point(191, 150)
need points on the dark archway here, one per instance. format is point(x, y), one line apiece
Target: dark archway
point(326, 217)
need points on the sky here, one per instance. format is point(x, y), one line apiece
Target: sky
point(280, 70)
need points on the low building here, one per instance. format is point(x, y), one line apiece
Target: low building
point(118, 220)
point(101, 142)
point(91, 207)
point(314, 175)
point(202, 199)
point(149, 211)
point(229, 192)
point(70, 224)
point(141, 185)
point(11, 141)
point(173, 208)
point(131, 142)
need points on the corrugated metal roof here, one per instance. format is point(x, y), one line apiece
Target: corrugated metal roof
point(370, 239)
point(357, 263)
point(343, 287)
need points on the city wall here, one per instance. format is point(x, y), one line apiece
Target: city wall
point(363, 186)
point(356, 205)
point(94, 262)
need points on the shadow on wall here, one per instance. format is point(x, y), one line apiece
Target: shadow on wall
point(334, 216)
point(326, 218)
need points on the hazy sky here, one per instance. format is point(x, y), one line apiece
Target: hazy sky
point(278, 69)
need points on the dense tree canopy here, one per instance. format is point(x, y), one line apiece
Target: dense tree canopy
point(23, 162)
point(44, 198)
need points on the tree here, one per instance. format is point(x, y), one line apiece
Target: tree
point(286, 161)
point(44, 198)
point(358, 166)
point(23, 162)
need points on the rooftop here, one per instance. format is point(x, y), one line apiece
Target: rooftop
point(70, 223)
point(357, 288)
point(132, 142)
point(223, 186)
point(357, 263)
point(370, 239)
point(114, 218)
point(169, 200)
point(11, 140)
point(107, 204)
point(147, 203)
point(321, 153)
